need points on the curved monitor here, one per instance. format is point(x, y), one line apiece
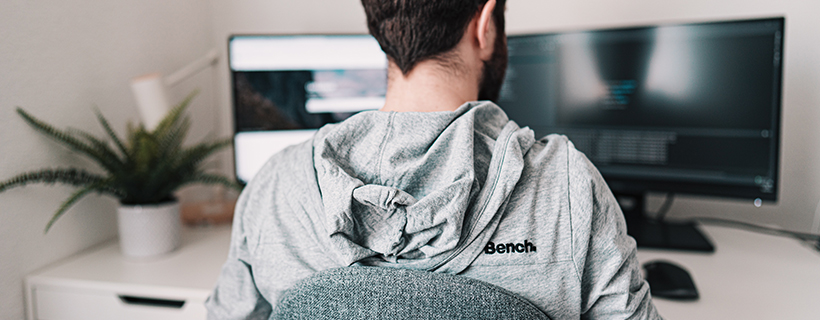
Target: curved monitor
point(691, 108)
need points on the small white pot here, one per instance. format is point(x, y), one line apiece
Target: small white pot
point(149, 230)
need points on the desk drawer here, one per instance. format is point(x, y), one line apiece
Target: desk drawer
point(53, 303)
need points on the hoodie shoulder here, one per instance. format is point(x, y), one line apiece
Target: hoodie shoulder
point(555, 157)
point(555, 154)
point(263, 195)
point(551, 157)
point(603, 254)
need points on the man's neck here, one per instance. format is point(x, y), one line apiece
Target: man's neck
point(429, 87)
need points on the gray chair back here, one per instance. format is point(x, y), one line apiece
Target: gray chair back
point(388, 293)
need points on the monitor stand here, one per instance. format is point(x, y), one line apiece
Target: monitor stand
point(652, 233)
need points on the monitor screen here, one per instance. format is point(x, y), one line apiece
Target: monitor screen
point(691, 108)
point(285, 87)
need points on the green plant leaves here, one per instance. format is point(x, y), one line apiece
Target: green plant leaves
point(146, 167)
point(109, 131)
point(68, 203)
point(97, 153)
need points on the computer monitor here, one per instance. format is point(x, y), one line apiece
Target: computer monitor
point(285, 87)
point(685, 108)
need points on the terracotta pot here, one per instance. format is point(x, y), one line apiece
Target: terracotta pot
point(149, 230)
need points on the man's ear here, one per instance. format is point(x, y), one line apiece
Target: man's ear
point(484, 29)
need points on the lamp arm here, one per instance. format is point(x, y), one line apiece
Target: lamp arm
point(210, 58)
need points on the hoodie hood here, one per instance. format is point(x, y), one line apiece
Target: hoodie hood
point(416, 189)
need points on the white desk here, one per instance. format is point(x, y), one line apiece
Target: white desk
point(91, 284)
point(750, 276)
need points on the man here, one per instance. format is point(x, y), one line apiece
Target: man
point(436, 181)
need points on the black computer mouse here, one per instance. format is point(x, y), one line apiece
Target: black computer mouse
point(670, 281)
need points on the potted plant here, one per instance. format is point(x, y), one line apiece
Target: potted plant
point(142, 172)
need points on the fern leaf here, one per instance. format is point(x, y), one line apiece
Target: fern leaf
point(145, 152)
point(74, 177)
point(163, 180)
point(172, 172)
point(110, 131)
point(174, 115)
point(191, 157)
point(131, 147)
point(68, 203)
point(171, 142)
point(100, 147)
point(67, 139)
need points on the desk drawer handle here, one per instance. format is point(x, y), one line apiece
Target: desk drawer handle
point(152, 302)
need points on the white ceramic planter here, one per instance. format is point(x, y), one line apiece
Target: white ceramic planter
point(149, 230)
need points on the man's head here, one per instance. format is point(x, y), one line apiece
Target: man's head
point(412, 31)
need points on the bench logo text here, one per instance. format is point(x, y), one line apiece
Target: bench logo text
point(525, 247)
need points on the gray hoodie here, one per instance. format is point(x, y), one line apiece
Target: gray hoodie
point(465, 192)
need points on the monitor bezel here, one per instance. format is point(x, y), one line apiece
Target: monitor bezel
point(232, 79)
point(632, 186)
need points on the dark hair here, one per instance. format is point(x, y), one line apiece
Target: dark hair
point(411, 31)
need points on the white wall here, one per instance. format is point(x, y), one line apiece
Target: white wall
point(800, 167)
point(58, 59)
